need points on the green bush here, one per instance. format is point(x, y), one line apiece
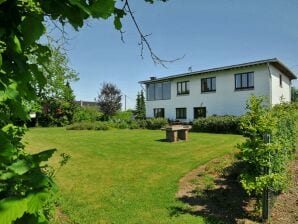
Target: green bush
point(156, 123)
point(266, 164)
point(87, 114)
point(89, 126)
point(218, 124)
point(123, 116)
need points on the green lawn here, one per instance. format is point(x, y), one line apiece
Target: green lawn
point(126, 176)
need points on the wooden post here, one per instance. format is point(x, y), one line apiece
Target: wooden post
point(265, 197)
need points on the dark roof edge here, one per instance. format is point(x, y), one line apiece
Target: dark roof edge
point(274, 61)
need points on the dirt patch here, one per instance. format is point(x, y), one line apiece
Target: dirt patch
point(60, 217)
point(285, 210)
point(213, 191)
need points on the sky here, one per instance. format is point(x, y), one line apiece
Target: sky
point(208, 33)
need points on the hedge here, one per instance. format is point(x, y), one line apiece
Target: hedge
point(218, 124)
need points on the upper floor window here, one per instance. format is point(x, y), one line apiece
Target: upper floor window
point(180, 113)
point(159, 112)
point(208, 84)
point(280, 80)
point(182, 88)
point(244, 80)
point(159, 91)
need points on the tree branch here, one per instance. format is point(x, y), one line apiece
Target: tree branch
point(144, 41)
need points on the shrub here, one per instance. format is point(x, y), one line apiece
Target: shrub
point(156, 123)
point(87, 114)
point(123, 116)
point(134, 125)
point(88, 126)
point(266, 164)
point(218, 124)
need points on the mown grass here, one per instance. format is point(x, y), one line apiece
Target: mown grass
point(126, 176)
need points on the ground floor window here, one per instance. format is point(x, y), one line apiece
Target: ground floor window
point(180, 113)
point(199, 112)
point(159, 112)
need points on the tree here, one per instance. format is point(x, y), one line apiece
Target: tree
point(56, 97)
point(26, 184)
point(294, 94)
point(140, 106)
point(58, 74)
point(109, 100)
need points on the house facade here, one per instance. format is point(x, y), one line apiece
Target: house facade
point(217, 91)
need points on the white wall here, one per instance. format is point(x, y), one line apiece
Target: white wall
point(277, 91)
point(226, 100)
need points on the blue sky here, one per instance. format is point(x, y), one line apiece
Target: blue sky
point(210, 33)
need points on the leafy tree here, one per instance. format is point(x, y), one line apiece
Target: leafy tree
point(58, 111)
point(140, 106)
point(25, 184)
point(294, 94)
point(109, 100)
point(58, 75)
point(56, 97)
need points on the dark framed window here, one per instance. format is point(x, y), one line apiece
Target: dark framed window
point(159, 112)
point(244, 80)
point(208, 84)
point(180, 113)
point(280, 80)
point(183, 88)
point(159, 91)
point(199, 112)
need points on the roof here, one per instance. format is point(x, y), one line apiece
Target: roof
point(274, 61)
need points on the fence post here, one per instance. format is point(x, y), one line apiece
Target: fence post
point(265, 198)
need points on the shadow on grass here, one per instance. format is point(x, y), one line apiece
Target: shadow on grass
point(226, 202)
point(162, 140)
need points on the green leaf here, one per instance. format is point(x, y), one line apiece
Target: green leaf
point(16, 45)
point(35, 201)
point(14, 208)
point(32, 28)
point(20, 167)
point(102, 8)
point(117, 23)
point(1, 1)
point(81, 5)
point(0, 60)
point(9, 93)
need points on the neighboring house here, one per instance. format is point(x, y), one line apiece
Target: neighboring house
point(82, 103)
point(217, 91)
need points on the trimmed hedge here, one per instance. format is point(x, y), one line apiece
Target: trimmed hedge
point(152, 123)
point(89, 126)
point(218, 124)
point(156, 123)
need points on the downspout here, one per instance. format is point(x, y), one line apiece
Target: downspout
point(270, 84)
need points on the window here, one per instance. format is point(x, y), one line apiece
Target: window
point(182, 88)
point(280, 80)
point(208, 84)
point(199, 112)
point(159, 112)
point(159, 91)
point(180, 113)
point(244, 80)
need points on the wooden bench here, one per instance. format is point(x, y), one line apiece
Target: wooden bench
point(175, 133)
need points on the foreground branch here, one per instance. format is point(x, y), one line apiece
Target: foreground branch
point(144, 41)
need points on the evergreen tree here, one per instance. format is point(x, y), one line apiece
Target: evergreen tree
point(140, 106)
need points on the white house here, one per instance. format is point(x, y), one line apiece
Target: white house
point(217, 91)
